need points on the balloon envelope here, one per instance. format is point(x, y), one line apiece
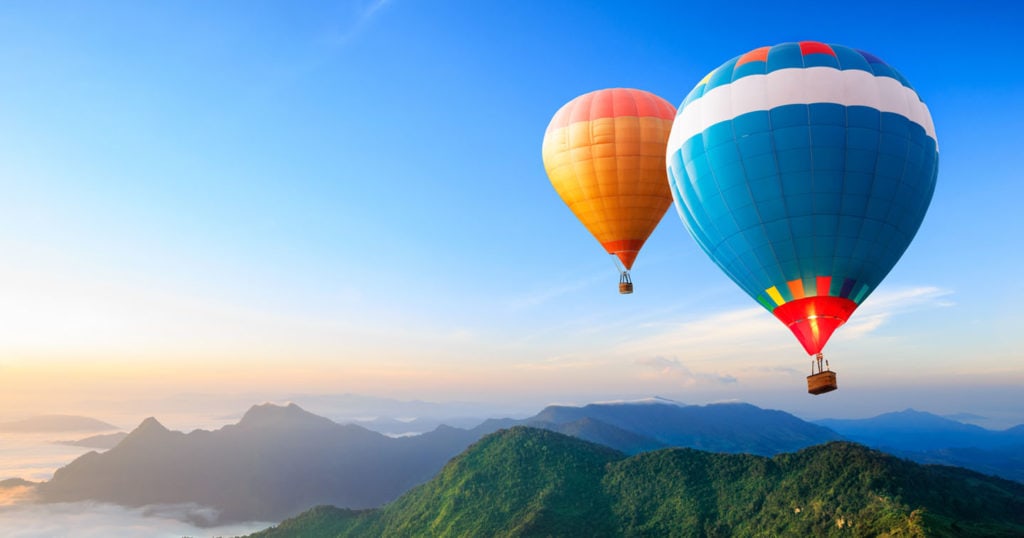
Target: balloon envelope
point(605, 155)
point(804, 170)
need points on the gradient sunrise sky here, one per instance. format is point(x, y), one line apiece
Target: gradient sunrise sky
point(271, 198)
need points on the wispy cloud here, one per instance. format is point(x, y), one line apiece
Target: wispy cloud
point(753, 329)
point(675, 369)
point(540, 296)
point(902, 299)
point(716, 335)
point(346, 30)
point(885, 304)
point(341, 30)
point(778, 370)
point(567, 361)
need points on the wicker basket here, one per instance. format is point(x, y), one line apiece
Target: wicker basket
point(625, 288)
point(821, 383)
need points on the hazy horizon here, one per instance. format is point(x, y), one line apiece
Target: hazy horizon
point(189, 411)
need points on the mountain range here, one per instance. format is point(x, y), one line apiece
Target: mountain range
point(275, 462)
point(920, 431)
point(639, 426)
point(928, 438)
point(531, 482)
point(279, 460)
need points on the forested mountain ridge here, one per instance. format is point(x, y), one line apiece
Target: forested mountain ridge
point(529, 482)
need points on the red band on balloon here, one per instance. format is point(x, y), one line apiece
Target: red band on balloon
point(814, 319)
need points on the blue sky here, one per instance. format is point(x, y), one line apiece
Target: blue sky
point(349, 196)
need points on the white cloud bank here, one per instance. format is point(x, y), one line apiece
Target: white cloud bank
point(96, 520)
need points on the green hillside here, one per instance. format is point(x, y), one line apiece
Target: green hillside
point(527, 482)
point(839, 489)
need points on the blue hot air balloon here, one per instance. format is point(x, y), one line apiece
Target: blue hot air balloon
point(804, 170)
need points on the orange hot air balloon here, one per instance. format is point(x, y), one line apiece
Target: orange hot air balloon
point(605, 155)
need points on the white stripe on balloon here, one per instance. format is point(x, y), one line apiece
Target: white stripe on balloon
point(794, 86)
